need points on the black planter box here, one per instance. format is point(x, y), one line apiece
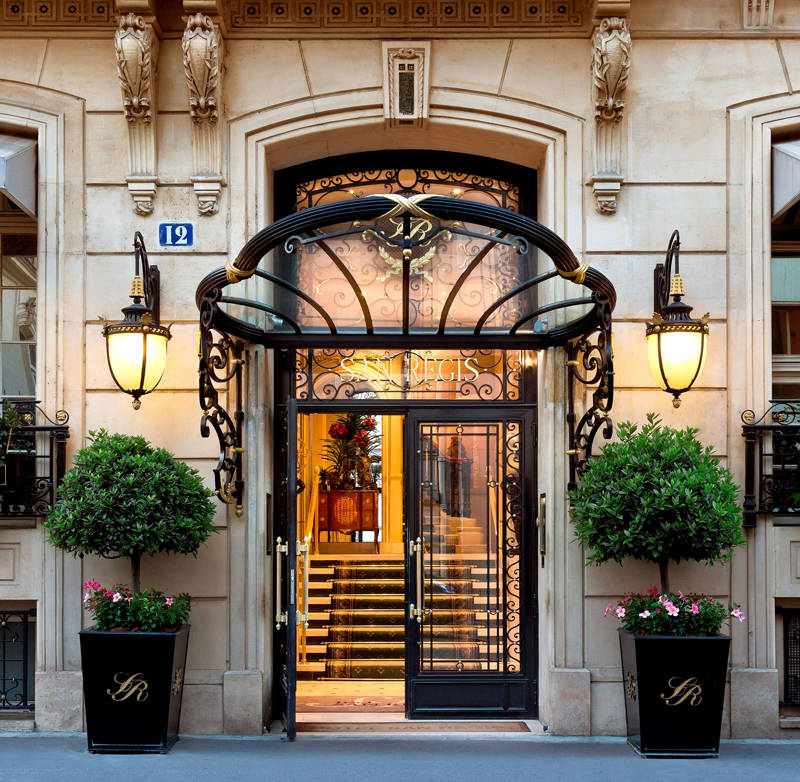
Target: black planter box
point(133, 688)
point(674, 693)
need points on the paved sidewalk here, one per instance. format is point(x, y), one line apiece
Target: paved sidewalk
point(433, 759)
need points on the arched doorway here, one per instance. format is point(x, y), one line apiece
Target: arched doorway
point(400, 272)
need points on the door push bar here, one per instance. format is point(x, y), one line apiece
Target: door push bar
point(414, 612)
point(281, 617)
point(541, 525)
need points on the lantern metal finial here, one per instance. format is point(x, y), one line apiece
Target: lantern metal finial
point(676, 286)
point(137, 288)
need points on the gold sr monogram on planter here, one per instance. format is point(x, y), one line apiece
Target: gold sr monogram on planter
point(683, 690)
point(129, 685)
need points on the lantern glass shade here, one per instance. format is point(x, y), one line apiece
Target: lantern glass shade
point(683, 355)
point(137, 360)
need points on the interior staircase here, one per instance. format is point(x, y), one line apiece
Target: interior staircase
point(358, 608)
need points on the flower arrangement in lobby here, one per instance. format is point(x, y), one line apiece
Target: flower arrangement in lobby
point(657, 494)
point(652, 613)
point(148, 611)
point(352, 453)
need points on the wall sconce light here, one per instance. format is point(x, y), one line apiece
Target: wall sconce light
point(676, 344)
point(137, 346)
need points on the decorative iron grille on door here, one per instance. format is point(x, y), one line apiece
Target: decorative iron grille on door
point(17, 659)
point(791, 656)
point(470, 514)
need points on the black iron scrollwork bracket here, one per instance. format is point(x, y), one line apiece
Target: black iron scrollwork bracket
point(590, 361)
point(221, 361)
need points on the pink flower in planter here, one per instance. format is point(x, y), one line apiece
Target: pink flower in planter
point(645, 614)
point(608, 609)
point(672, 609)
point(116, 597)
point(86, 597)
point(653, 591)
point(737, 612)
point(695, 609)
point(620, 612)
point(170, 601)
point(128, 599)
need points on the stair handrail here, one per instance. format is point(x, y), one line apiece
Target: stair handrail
point(311, 515)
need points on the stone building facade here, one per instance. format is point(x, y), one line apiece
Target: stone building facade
point(639, 116)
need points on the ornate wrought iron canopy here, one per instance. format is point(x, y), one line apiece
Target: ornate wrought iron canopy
point(442, 272)
point(403, 271)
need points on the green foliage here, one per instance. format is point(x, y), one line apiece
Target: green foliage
point(657, 495)
point(649, 613)
point(124, 497)
point(149, 611)
point(10, 435)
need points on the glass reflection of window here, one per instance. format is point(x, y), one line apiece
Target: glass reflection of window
point(18, 278)
point(436, 265)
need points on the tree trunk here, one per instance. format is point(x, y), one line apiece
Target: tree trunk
point(136, 563)
point(663, 568)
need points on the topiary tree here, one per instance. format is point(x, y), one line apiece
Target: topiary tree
point(125, 498)
point(657, 495)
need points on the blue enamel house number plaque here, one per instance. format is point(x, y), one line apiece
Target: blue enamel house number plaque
point(176, 234)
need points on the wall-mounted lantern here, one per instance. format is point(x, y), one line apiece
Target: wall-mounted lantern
point(137, 346)
point(676, 344)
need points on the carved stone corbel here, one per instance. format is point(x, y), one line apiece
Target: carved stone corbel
point(611, 62)
point(202, 63)
point(136, 45)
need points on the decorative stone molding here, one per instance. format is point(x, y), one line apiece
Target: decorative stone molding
point(406, 83)
point(202, 63)
point(332, 16)
point(611, 62)
point(758, 14)
point(137, 50)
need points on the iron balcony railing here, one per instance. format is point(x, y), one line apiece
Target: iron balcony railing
point(17, 659)
point(32, 463)
point(772, 457)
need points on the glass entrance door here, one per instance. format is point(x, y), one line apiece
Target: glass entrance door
point(470, 649)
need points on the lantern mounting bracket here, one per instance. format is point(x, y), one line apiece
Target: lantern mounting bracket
point(150, 276)
point(662, 274)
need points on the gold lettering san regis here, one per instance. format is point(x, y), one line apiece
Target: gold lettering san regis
point(133, 684)
point(682, 690)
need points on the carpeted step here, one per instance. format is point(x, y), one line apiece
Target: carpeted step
point(445, 586)
point(364, 669)
point(397, 633)
point(366, 651)
point(371, 572)
point(382, 618)
point(452, 602)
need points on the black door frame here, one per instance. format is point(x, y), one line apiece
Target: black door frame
point(525, 409)
point(504, 696)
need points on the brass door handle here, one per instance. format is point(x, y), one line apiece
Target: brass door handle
point(417, 612)
point(280, 616)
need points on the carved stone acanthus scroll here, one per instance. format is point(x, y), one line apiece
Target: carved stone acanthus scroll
point(611, 62)
point(202, 63)
point(136, 46)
